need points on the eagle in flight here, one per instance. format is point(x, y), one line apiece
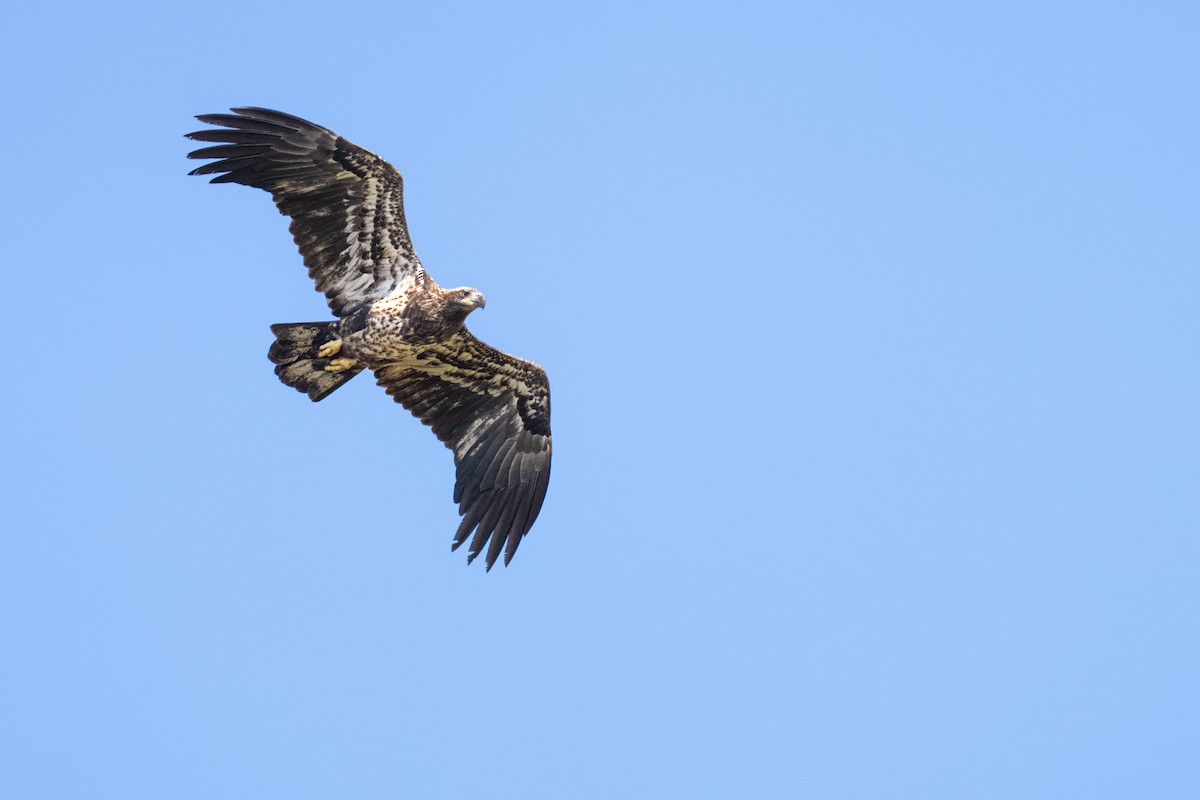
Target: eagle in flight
point(347, 210)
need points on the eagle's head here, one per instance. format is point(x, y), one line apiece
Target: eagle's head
point(465, 299)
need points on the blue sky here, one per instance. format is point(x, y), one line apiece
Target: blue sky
point(871, 330)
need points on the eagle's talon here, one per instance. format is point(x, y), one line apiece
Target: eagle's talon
point(340, 364)
point(329, 349)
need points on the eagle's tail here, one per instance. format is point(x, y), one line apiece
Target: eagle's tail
point(297, 363)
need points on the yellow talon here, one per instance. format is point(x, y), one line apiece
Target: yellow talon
point(329, 349)
point(340, 364)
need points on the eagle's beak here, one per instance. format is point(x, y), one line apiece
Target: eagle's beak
point(481, 302)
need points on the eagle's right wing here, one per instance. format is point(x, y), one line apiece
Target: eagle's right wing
point(346, 204)
point(493, 411)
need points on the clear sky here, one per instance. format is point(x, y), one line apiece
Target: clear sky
point(872, 335)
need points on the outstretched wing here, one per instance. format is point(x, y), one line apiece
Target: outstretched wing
point(493, 411)
point(346, 204)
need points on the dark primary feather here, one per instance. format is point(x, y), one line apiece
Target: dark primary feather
point(346, 204)
point(493, 411)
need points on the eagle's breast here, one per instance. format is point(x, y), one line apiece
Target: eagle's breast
point(398, 324)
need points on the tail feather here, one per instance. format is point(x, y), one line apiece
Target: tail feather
point(294, 354)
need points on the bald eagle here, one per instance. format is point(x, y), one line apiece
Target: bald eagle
point(347, 210)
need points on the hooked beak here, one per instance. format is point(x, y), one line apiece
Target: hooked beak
point(480, 302)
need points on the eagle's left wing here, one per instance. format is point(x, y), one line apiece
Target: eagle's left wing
point(346, 203)
point(493, 411)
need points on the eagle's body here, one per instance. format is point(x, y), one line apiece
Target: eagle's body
point(419, 312)
point(490, 408)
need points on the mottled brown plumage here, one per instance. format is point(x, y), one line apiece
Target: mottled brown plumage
point(491, 409)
